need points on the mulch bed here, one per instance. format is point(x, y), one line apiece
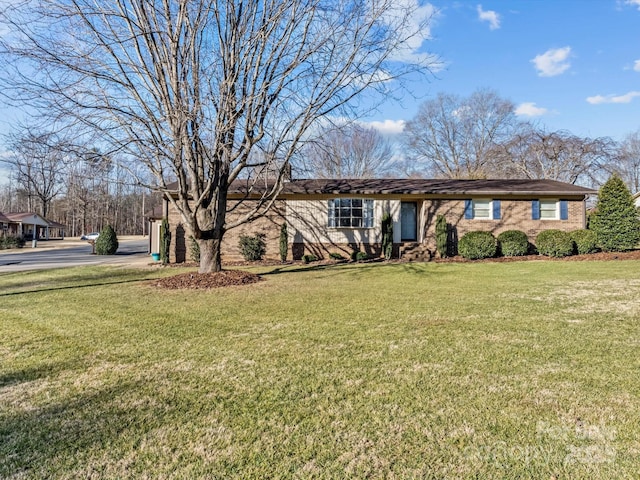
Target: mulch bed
point(205, 281)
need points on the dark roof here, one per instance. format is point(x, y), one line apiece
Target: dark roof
point(405, 186)
point(411, 186)
point(3, 219)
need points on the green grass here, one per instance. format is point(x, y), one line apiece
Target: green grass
point(487, 370)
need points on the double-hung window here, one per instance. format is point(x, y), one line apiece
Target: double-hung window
point(482, 209)
point(350, 213)
point(550, 210)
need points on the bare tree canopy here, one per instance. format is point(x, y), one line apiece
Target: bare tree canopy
point(206, 91)
point(452, 137)
point(348, 151)
point(38, 161)
point(535, 153)
point(628, 161)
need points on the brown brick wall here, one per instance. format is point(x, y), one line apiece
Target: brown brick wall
point(515, 215)
point(270, 225)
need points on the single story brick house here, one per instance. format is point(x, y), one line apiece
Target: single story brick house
point(344, 215)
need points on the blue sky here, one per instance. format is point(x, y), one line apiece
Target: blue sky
point(566, 64)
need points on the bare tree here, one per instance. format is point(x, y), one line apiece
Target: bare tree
point(38, 161)
point(348, 151)
point(628, 161)
point(535, 153)
point(194, 88)
point(453, 137)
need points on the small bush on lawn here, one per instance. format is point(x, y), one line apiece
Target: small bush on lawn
point(477, 245)
point(308, 258)
point(107, 242)
point(253, 247)
point(359, 256)
point(336, 256)
point(585, 241)
point(554, 243)
point(9, 241)
point(513, 243)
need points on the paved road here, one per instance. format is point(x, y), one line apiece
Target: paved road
point(57, 254)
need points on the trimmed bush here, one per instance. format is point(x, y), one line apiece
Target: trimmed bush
point(107, 242)
point(477, 245)
point(165, 241)
point(513, 243)
point(554, 243)
point(336, 256)
point(585, 241)
point(253, 247)
point(9, 241)
point(616, 219)
point(387, 235)
point(362, 256)
point(308, 258)
point(284, 243)
point(442, 236)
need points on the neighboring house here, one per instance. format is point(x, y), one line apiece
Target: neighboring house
point(343, 216)
point(30, 226)
point(4, 224)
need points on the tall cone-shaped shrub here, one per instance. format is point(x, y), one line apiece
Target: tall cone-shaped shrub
point(442, 236)
point(107, 242)
point(616, 220)
point(165, 241)
point(387, 235)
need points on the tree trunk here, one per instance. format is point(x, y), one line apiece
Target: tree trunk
point(210, 259)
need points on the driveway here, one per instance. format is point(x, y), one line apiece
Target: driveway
point(72, 253)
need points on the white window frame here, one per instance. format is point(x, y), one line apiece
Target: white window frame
point(545, 213)
point(350, 212)
point(489, 208)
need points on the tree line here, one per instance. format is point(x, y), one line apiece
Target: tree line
point(479, 136)
point(81, 189)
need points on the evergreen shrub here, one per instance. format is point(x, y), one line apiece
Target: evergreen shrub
point(9, 241)
point(616, 220)
point(194, 249)
point(107, 242)
point(513, 243)
point(442, 236)
point(585, 241)
point(554, 243)
point(253, 247)
point(477, 245)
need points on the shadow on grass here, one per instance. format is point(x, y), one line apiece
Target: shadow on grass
point(34, 373)
point(365, 267)
point(38, 440)
point(80, 280)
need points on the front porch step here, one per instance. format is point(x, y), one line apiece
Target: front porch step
point(415, 252)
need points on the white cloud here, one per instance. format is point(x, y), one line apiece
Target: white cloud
point(600, 99)
point(552, 62)
point(421, 20)
point(388, 127)
point(529, 109)
point(635, 3)
point(636, 65)
point(489, 16)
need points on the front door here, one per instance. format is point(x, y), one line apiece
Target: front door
point(408, 221)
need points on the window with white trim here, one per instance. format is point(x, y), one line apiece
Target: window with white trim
point(548, 210)
point(350, 213)
point(482, 209)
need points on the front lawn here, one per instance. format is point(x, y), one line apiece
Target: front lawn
point(488, 370)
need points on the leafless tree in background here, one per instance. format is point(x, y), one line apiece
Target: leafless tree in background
point(348, 151)
point(453, 137)
point(193, 88)
point(37, 163)
point(628, 161)
point(558, 155)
